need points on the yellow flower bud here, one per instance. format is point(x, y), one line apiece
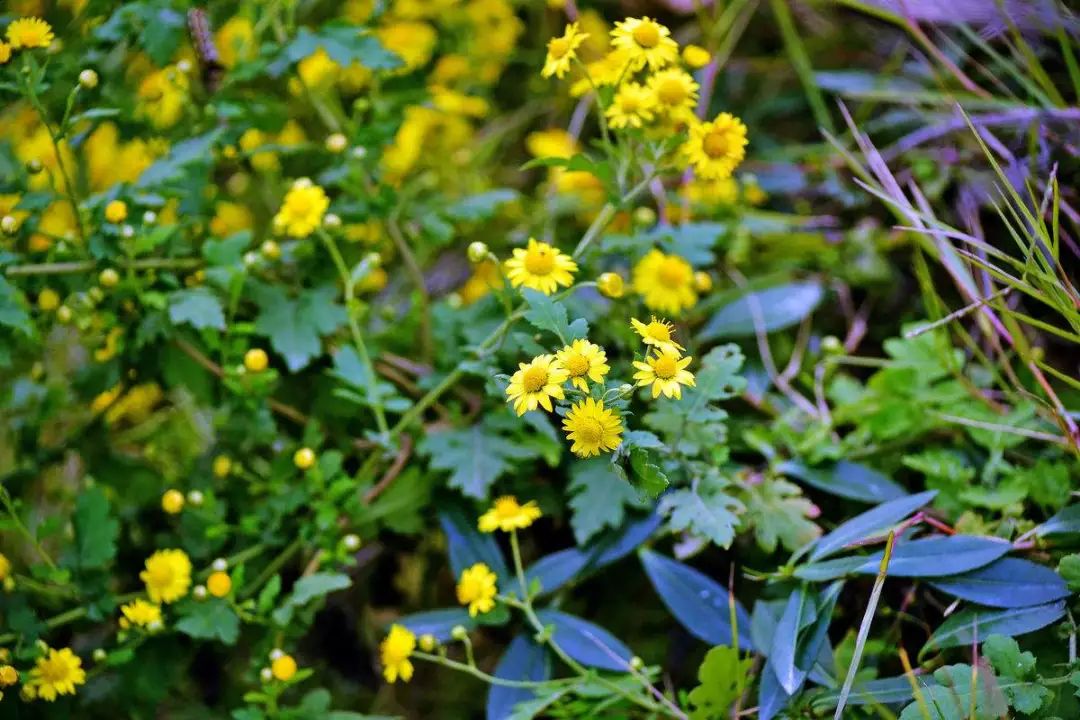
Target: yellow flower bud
point(222, 465)
point(116, 211)
point(702, 281)
point(48, 300)
point(283, 668)
point(9, 224)
point(337, 143)
point(270, 250)
point(109, 278)
point(478, 252)
point(88, 79)
point(610, 284)
point(256, 360)
point(304, 458)
point(219, 584)
point(695, 56)
point(428, 642)
point(172, 501)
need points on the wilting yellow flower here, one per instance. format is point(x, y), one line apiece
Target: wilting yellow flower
point(30, 32)
point(167, 575)
point(717, 147)
point(536, 383)
point(647, 41)
point(507, 514)
point(394, 652)
point(633, 106)
point(5, 52)
point(302, 210)
point(665, 282)
point(592, 428)
point(55, 673)
point(413, 42)
point(236, 41)
point(476, 589)
point(562, 50)
point(675, 91)
point(552, 142)
point(582, 359)
point(657, 333)
point(541, 267)
point(140, 613)
point(666, 372)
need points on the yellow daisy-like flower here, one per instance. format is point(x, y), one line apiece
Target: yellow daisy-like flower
point(507, 514)
point(541, 267)
point(56, 673)
point(140, 613)
point(29, 32)
point(552, 142)
point(716, 148)
point(676, 92)
point(302, 210)
point(647, 42)
point(633, 106)
point(476, 588)
point(582, 359)
point(665, 282)
point(657, 333)
point(535, 383)
point(608, 70)
point(167, 575)
point(394, 652)
point(592, 428)
point(666, 372)
point(562, 51)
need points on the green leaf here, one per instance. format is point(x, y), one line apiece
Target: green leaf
point(193, 150)
point(780, 514)
point(964, 627)
point(599, 498)
point(475, 457)
point(13, 312)
point(480, 206)
point(546, 314)
point(950, 698)
point(317, 585)
point(161, 34)
point(722, 676)
point(197, 307)
point(649, 479)
point(708, 513)
point(776, 308)
point(95, 529)
point(295, 327)
point(344, 43)
point(211, 619)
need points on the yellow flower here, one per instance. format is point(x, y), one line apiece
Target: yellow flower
point(723, 192)
point(413, 42)
point(283, 667)
point(703, 282)
point(394, 652)
point(219, 583)
point(666, 372)
point(29, 32)
point(5, 52)
point(657, 333)
point(507, 514)
point(476, 588)
point(484, 279)
point(167, 575)
point(535, 383)
point(562, 51)
point(140, 613)
point(8, 675)
point(632, 106)
point(222, 465)
point(647, 41)
point(229, 218)
point(665, 282)
point(610, 285)
point(54, 674)
point(716, 148)
point(236, 41)
point(302, 210)
point(695, 56)
point(582, 359)
point(116, 211)
point(592, 428)
point(675, 91)
point(553, 142)
point(48, 300)
point(163, 95)
point(5, 567)
point(318, 70)
point(172, 501)
point(541, 267)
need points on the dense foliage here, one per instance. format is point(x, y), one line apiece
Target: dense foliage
point(507, 359)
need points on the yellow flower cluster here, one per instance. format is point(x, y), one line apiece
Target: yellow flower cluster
point(664, 367)
point(652, 89)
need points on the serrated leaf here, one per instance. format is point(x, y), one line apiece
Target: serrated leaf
point(723, 676)
point(211, 619)
point(95, 529)
point(197, 307)
point(711, 515)
point(295, 326)
point(547, 314)
point(599, 498)
point(649, 479)
point(475, 457)
point(780, 514)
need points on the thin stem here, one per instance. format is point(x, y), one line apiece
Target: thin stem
point(478, 673)
point(416, 274)
point(81, 266)
point(274, 565)
point(23, 530)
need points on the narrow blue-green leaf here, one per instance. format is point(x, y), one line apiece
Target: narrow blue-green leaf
point(468, 545)
point(1007, 583)
point(438, 623)
point(963, 628)
point(776, 308)
point(589, 644)
point(870, 522)
point(845, 479)
point(523, 660)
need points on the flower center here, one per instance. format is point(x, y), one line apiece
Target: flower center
point(647, 35)
point(507, 507)
point(54, 670)
point(576, 365)
point(715, 144)
point(629, 103)
point(161, 575)
point(539, 261)
point(665, 367)
point(590, 431)
point(558, 47)
point(673, 273)
point(671, 92)
point(658, 332)
point(535, 378)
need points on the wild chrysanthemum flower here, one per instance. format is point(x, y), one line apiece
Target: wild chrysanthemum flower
point(592, 428)
point(647, 42)
point(30, 32)
point(666, 372)
point(633, 106)
point(716, 148)
point(302, 210)
point(394, 652)
point(55, 673)
point(140, 613)
point(167, 575)
point(665, 282)
point(657, 333)
point(535, 383)
point(676, 92)
point(561, 51)
point(507, 514)
point(583, 360)
point(476, 589)
point(541, 267)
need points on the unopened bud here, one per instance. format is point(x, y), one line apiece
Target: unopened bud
point(331, 221)
point(337, 143)
point(478, 252)
point(88, 79)
point(458, 632)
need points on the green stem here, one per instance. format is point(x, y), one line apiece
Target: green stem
point(81, 266)
point(416, 274)
point(5, 498)
point(606, 214)
point(274, 565)
point(478, 673)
